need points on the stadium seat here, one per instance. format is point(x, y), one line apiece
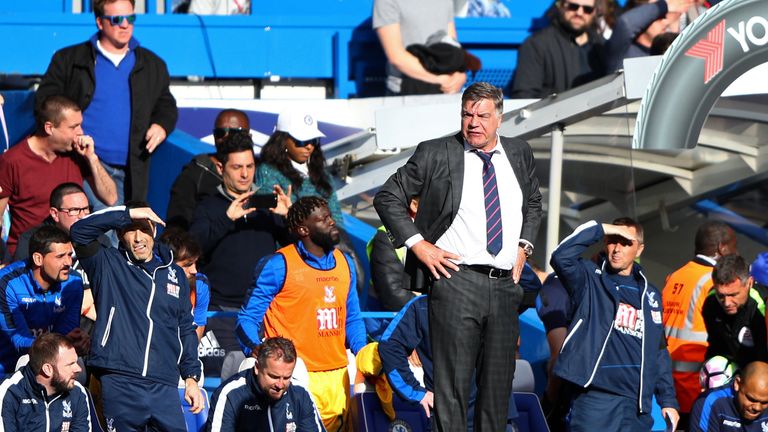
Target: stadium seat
point(368, 416)
point(195, 422)
point(530, 414)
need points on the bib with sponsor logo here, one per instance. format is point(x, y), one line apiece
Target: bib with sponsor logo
point(311, 310)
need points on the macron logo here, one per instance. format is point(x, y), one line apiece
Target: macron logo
point(711, 51)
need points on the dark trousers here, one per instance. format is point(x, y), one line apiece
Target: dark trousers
point(595, 410)
point(136, 404)
point(473, 324)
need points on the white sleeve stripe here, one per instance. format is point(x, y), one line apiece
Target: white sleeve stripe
point(13, 380)
point(87, 403)
point(577, 231)
point(221, 402)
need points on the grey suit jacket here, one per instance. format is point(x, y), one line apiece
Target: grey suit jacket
point(435, 173)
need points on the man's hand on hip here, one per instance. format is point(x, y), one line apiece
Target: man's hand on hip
point(435, 258)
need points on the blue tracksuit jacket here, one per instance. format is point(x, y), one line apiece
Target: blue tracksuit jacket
point(595, 304)
point(240, 405)
point(27, 407)
point(144, 314)
point(27, 311)
point(715, 411)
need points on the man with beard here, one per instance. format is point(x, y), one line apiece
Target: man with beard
point(44, 395)
point(38, 296)
point(280, 406)
point(564, 55)
point(306, 291)
point(739, 406)
point(144, 335)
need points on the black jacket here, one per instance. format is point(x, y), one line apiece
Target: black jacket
point(71, 73)
point(435, 173)
point(742, 337)
point(231, 249)
point(198, 179)
point(549, 62)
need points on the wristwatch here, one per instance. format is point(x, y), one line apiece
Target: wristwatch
point(527, 248)
point(194, 377)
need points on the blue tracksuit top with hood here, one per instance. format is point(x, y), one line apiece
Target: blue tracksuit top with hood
point(595, 302)
point(144, 314)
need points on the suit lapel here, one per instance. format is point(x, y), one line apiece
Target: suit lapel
point(455, 152)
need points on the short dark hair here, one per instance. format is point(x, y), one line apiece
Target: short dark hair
point(44, 237)
point(710, 236)
point(483, 90)
point(146, 225)
point(183, 245)
point(662, 42)
point(234, 143)
point(45, 349)
point(629, 222)
point(62, 190)
point(301, 209)
point(98, 6)
point(52, 110)
point(278, 348)
point(729, 268)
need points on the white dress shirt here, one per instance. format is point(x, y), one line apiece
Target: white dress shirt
point(466, 236)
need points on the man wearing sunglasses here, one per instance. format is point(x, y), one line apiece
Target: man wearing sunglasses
point(131, 110)
point(566, 54)
point(200, 177)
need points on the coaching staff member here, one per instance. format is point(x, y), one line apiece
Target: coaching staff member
point(470, 269)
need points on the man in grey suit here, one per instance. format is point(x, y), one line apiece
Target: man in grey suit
point(470, 269)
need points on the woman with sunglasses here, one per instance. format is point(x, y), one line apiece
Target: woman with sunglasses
point(292, 157)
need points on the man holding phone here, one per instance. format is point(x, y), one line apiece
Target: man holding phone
point(235, 228)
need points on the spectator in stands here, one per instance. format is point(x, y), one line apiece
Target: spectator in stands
point(57, 152)
point(635, 29)
point(566, 54)
point(38, 296)
point(131, 111)
point(739, 406)
point(280, 406)
point(234, 237)
point(615, 354)
point(144, 329)
point(44, 395)
point(186, 251)
point(402, 23)
point(555, 309)
point(682, 299)
point(68, 204)
point(388, 290)
point(308, 291)
point(735, 315)
point(200, 177)
point(220, 7)
point(662, 42)
point(292, 159)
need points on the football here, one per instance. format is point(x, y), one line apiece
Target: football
point(716, 372)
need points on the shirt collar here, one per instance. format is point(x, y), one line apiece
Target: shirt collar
point(325, 262)
point(497, 149)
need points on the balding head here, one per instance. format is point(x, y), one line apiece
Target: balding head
point(229, 120)
point(751, 388)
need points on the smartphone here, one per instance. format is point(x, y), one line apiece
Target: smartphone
point(262, 201)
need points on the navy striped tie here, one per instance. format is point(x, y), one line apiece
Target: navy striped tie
point(492, 205)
